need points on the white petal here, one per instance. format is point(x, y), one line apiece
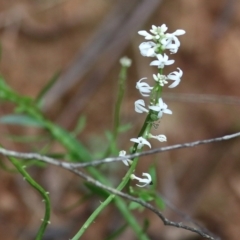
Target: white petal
point(174, 84)
point(169, 62)
point(167, 111)
point(179, 32)
point(143, 33)
point(154, 63)
point(139, 106)
point(154, 108)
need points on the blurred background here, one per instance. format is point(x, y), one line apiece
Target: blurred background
point(81, 42)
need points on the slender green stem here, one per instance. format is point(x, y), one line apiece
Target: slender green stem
point(121, 91)
point(141, 235)
point(74, 147)
point(89, 221)
point(44, 194)
point(144, 132)
point(116, 116)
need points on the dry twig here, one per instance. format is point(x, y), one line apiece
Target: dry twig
point(72, 167)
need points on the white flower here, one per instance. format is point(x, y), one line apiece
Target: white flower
point(162, 61)
point(145, 181)
point(171, 42)
point(161, 79)
point(176, 77)
point(147, 35)
point(160, 40)
point(160, 31)
point(140, 106)
point(143, 87)
point(141, 141)
point(147, 49)
point(127, 162)
point(160, 138)
point(161, 108)
point(125, 62)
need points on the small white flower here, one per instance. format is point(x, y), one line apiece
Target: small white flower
point(161, 40)
point(171, 42)
point(145, 181)
point(140, 106)
point(176, 77)
point(125, 62)
point(162, 61)
point(147, 49)
point(141, 141)
point(161, 79)
point(160, 31)
point(143, 87)
point(127, 162)
point(160, 138)
point(147, 35)
point(161, 108)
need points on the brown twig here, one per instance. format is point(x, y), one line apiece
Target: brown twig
point(63, 164)
point(72, 167)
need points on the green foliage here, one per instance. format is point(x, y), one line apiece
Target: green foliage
point(81, 123)
point(41, 191)
point(20, 119)
point(117, 233)
point(46, 88)
point(30, 113)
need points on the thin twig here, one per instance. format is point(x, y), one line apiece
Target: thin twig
point(149, 206)
point(71, 168)
point(185, 216)
point(63, 164)
point(158, 150)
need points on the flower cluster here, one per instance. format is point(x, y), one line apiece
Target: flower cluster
point(158, 42)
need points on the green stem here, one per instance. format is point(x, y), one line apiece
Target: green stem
point(156, 93)
point(121, 91)
point(74, 147)
point(141, 235)
point(117, 108)
point(120, 205)
point(44, 194)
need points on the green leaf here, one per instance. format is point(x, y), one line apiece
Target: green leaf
point(160, 203)
point(80, 125)
point(152, 172)
point(125, 127)
point(135, 205)
point(47, 87)
point(23, 120)
point(117, 233)
point(26, 139)
point(146, 196)
point(146, 225)
point(96, 190)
